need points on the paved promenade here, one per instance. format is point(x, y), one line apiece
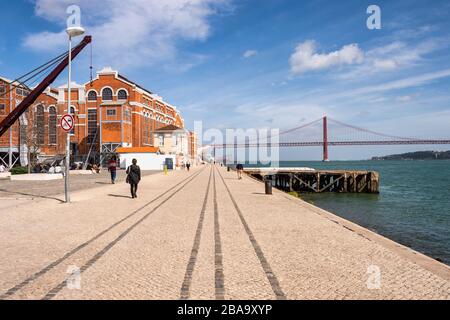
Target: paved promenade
point(201, 235)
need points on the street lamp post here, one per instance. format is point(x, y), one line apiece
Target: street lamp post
point(72, 32)
point(11, 129)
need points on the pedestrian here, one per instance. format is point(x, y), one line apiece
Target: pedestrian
point(134, 177)
point(188, 166)
point(2, 168)
point(240, 169)
point(112, 168)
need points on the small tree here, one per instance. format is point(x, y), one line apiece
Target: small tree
point(29, 135)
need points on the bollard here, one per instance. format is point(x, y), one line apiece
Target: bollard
point(166, 171)
point(268, 183)
point(228, 169)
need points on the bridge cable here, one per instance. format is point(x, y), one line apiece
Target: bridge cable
point(369, 131)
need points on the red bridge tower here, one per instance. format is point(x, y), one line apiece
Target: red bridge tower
point(325, 139)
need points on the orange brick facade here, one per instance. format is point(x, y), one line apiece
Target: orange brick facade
point(110, 111)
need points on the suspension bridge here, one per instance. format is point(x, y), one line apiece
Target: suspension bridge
point(326, 132)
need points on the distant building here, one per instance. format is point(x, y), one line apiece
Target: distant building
point(173, 140)
point(110, 112)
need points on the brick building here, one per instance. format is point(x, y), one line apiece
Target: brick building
point(110, 112)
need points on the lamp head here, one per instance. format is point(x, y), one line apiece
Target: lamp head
point(75, 31)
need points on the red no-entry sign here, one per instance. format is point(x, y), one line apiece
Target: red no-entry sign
point(67, 122)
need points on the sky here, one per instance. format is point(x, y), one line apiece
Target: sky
point(258, 64)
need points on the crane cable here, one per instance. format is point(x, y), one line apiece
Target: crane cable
point(34, 73)
point(91, 67)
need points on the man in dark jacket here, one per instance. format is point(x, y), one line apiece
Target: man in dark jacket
point(240, 170)
point(134, 177)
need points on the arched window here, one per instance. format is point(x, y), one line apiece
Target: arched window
point(52, 123)
point(122, 95)
point(92, 96)
point(40, 126)
point(107, 94)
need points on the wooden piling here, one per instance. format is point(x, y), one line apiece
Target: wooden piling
point(318, 181)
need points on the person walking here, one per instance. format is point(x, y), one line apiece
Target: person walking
point(188, 166)
point(134, 177)
point(240, 169)
point(112, 168)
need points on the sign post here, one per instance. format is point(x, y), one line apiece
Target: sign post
point(67, 124)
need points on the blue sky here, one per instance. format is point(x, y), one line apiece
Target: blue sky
point(251, 64)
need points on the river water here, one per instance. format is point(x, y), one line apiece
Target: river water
point(413, 207)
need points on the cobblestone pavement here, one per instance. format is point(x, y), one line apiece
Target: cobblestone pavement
point(201, 235)
point(53, 189)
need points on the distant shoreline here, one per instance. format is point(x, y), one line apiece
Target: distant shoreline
point(418, 155)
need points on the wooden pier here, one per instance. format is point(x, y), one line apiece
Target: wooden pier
point(318, 181)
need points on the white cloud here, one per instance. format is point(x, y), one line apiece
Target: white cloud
point(305, 57)
point(45, 40)
point(403, 83)
point(403, 98)
point(250, 53)
point(129, 33)
point(385, 64)
point(393, 56)
point(284, 115)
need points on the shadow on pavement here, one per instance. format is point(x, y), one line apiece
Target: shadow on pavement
point(119, 196)
point(32, 195)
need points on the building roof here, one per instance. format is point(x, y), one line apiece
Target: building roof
point(15, 83)
point(112, 103)
point(73, 85)
point(137, 150)
point(170, 128)
point(117, 75)
point(140, 87)
point(5, 79)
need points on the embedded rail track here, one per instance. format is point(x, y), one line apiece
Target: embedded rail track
point(219, 278)
point(56, 289)
point(210, 236)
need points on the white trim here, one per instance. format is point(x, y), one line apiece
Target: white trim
point(87, 95)
point(117, 93)
point(134, 86)
point(106, 72)
point(50, 94)
point(139, 104)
